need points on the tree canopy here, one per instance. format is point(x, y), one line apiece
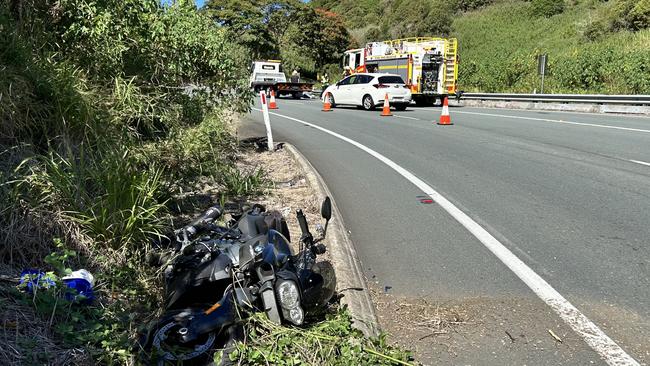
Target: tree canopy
point(300, 35)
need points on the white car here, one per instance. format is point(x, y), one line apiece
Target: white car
point(369, 90)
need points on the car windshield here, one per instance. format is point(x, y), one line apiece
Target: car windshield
point(390, 80)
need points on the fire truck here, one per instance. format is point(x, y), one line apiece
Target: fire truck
point(428, 65)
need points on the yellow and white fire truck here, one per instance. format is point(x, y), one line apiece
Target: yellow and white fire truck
point(428, 65)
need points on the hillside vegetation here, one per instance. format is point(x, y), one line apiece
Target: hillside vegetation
point(499, 45)
point(97, 139)
point(593, 46)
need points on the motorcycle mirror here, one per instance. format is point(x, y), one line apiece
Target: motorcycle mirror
point(326, 209)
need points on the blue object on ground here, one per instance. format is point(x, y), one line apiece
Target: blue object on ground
point(79, 284)
point(35, 279)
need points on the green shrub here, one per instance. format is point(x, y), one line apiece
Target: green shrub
point(619, 15)
point(240, 184)
point(630, 14)
point(191, 152)
point(629, 71)
point(547, 8)
point(114, 201)
point(583, 71)
point(467, 5)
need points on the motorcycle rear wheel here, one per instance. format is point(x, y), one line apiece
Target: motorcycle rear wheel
point(160, 348)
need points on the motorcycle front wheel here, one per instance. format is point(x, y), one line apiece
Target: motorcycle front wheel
point(162, 345)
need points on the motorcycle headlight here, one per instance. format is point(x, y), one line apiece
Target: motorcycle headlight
point(296, 315)
point(288, 294)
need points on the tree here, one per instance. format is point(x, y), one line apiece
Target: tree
point(246, 23)
point(301, 36)
point(333, 37)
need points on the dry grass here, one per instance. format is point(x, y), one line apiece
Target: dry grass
point(289, 188)
point(420, 323)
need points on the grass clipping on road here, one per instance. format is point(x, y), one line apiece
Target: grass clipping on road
point(329, 342)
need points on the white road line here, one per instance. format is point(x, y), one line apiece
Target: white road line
point(640, 162)
point(556, 121)
point(413, 118)
point(611, 352)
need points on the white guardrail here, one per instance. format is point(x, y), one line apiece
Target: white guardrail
point(638, 100)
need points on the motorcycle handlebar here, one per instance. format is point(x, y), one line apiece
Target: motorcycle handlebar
point(208, 216)
point(302, 220)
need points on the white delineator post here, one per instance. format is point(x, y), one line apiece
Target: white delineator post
point(267, 122)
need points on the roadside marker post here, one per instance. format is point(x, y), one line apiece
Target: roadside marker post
point(267, 121)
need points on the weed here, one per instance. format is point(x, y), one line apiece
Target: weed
point(329, 342)
point(239, 183)
point(110, 197)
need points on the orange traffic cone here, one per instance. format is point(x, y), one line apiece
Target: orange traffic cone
point(445, 119)
point(327, 107)
point(272, 103)
point(386, 111)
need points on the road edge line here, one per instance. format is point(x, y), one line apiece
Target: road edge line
point(350, 280)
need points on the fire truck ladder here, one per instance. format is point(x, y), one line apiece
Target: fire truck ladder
point(451, 66)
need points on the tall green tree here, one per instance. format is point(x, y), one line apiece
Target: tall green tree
point(302, 37)
point(245, 21)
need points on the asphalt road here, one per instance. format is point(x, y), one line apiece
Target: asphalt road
point(567, 193)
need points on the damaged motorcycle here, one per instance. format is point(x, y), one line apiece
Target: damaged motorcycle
point(215, 274)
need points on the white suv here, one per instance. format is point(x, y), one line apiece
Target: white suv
point(369, 90)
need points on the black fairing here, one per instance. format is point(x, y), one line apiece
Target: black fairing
point(199, 284)
point(252, 224)
point(312, 288)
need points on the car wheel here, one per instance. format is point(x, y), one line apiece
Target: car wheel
point(367, 103)
point(400, 107)
point(330, 98)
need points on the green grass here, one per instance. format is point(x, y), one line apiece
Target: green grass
point(499, 45)
point(332, 341)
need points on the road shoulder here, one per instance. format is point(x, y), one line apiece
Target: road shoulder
point(351, 282)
